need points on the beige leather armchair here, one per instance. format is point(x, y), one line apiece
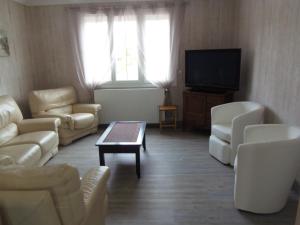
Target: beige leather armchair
point(77, 120)
point(53, 195)
point(30, 142)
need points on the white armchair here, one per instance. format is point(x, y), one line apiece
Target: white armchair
point(266, 167)
point(227, 125)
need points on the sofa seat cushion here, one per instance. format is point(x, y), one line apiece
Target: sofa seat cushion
point(24, 154)
point(45, 139)
point(222, 131)
point(6, 160)
point(82, 120)
point(67, 109)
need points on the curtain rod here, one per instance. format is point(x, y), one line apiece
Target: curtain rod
point(124, 4)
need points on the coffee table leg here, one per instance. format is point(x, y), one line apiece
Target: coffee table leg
point(101, 157)
point(144, 142)
point(138, 164)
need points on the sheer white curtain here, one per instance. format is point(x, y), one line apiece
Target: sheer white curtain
point(162, 35)
point(163, 28)
point(126, 42)
point(157, 47)
point(89, 34)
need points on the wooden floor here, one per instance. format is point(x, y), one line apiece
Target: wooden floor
point(180, 183)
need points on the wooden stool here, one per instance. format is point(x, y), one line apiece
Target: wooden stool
point(168, 108)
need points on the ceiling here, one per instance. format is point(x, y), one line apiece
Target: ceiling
point(63, 2)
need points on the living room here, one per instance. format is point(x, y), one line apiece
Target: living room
point(181, 183)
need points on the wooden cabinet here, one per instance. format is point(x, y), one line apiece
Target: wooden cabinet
point(197, 106)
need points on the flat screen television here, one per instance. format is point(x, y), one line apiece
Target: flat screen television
point(213, 69)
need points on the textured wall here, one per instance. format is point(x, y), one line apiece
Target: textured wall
point(15, 70)
point(269, 35)
point(209, 24)
point(51, 49)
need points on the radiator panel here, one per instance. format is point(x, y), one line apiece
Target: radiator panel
point(137, 104)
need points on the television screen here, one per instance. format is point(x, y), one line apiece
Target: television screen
point(218, 68)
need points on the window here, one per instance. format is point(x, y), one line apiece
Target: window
point(126, 51)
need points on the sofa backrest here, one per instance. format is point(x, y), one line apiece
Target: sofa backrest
point(10, 115)
point(44, 100)
point(60, 181)
point(37, 208)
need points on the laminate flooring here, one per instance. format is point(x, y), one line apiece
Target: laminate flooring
point(180, 183)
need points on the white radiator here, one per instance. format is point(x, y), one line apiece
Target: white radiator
point(137, 104)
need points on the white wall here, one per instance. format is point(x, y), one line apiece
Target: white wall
point(271, 57)
point(15, 70)
point(139, 104)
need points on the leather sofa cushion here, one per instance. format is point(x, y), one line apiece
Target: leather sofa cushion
point(82, 120)
point(45, 139)
point(26, 154)
point(222, 131)
point(7, 133)
point(6, 160)
point(61, 110)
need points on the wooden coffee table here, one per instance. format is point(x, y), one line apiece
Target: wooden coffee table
point(123, 137)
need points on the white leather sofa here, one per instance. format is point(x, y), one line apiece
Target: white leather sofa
point(77, 120)
point(30, 142)
point(53, 195)
point(266, 167)
point(227, 125)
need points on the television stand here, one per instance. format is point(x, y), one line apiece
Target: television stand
point(208, 90)
point(197, 105)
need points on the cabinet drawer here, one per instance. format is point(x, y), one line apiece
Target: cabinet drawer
point(195, 104)
point(193, 120)
point(214, 100)
point(197, 107)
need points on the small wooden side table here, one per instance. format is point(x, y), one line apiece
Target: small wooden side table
point(173, 120)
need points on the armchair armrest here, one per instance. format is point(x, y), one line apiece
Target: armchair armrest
point(240, 122)
point(41, 124)
point(93, 186)
point(66, 119)
point(86, 108)
point(62, 117)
